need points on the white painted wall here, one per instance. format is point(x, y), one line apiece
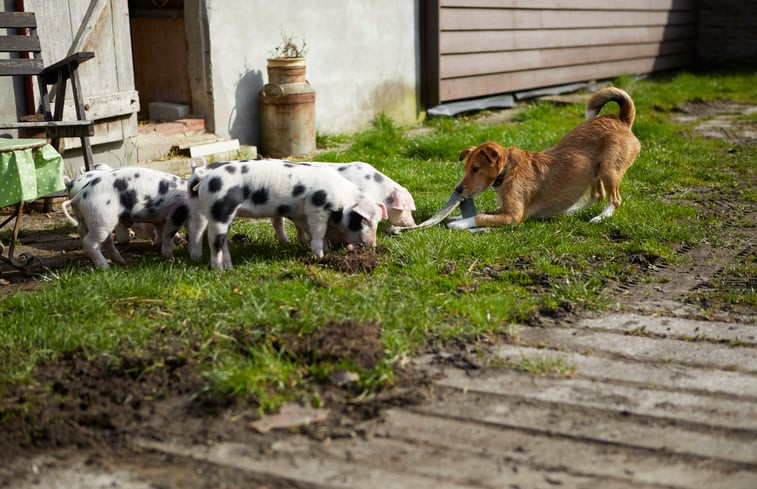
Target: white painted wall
point(363, 58)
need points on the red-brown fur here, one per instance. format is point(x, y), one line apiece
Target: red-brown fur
point(594, 156)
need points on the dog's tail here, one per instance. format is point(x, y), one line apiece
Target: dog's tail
point(612, 94)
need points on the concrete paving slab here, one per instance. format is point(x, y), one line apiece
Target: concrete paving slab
point(660, 376)
point(303, 469)
point(676, 327)
point(596, 425)
point(560, 454)
point(639, 348)
point(625, 399)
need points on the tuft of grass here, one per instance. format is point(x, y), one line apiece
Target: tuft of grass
point(540, 365)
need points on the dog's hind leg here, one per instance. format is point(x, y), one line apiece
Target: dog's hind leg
point(611, 182)
point(595, 194)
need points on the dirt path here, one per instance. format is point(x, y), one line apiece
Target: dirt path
point(659, 396)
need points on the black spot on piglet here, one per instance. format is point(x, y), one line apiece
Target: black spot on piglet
point(128, 199)
point(260, 196)
point(215, 184)
point(120, 184)
point(223, 208)
point(336, 216)
point(355, 221)
point(180, 215)
point(318, 198)
point(218, 242)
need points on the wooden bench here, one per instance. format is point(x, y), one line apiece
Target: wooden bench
point(26, 43)
point(24, 52)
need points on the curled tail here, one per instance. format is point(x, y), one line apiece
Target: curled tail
point(64, 206)
point(612, 94)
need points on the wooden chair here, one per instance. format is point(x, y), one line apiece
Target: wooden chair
point(25, 60)
point(58, 74)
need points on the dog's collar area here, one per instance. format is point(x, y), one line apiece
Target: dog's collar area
point(500, 178)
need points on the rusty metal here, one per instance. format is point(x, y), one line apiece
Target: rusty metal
point(287, 113)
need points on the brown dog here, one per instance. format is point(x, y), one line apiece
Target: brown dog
point(592, 157)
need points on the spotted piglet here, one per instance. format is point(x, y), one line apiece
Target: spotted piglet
point(318, 200)
point(398, 200)
point(120, 198)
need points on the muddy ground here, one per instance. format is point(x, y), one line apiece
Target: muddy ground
point(106, 426)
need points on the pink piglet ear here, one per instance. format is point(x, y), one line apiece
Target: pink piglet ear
point(402, 200)
point(370, 210)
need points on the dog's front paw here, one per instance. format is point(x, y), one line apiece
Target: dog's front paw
point(464, 223)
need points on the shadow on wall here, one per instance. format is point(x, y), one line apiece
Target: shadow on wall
point(243, 119)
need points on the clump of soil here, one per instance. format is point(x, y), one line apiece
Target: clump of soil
point(87, 401)
point(358, 260)
point(359, 343)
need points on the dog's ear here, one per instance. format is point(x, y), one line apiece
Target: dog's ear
point(464, 153)
point(492, 153)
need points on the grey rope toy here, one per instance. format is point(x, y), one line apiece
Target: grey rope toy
point(467, 208)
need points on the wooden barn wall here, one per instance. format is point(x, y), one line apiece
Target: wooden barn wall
point(475, 48)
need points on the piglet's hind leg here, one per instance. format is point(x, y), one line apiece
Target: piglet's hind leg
point(91, 244)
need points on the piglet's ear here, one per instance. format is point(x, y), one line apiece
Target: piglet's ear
point(384, 214)
point(369, 209)
point(464, 153)
point(402, 200)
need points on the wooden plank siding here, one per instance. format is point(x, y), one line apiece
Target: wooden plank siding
point(476, 48)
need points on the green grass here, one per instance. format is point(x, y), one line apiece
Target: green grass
point(545, 365)
point(430, 284)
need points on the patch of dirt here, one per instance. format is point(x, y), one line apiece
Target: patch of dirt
point(358, 260)
point(721, 119)
point(84, 400)
point(53, 243)
point(359, 343)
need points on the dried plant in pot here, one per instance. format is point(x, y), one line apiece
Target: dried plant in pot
point(286, 63)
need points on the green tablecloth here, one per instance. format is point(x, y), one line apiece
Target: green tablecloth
point(29, 169)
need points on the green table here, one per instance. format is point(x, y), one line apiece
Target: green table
point(29, 169)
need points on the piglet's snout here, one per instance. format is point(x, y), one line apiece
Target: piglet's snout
point(370, 240)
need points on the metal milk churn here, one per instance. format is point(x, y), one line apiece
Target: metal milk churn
point(287, 110)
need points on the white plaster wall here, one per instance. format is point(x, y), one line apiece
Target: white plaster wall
point(363, 58)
